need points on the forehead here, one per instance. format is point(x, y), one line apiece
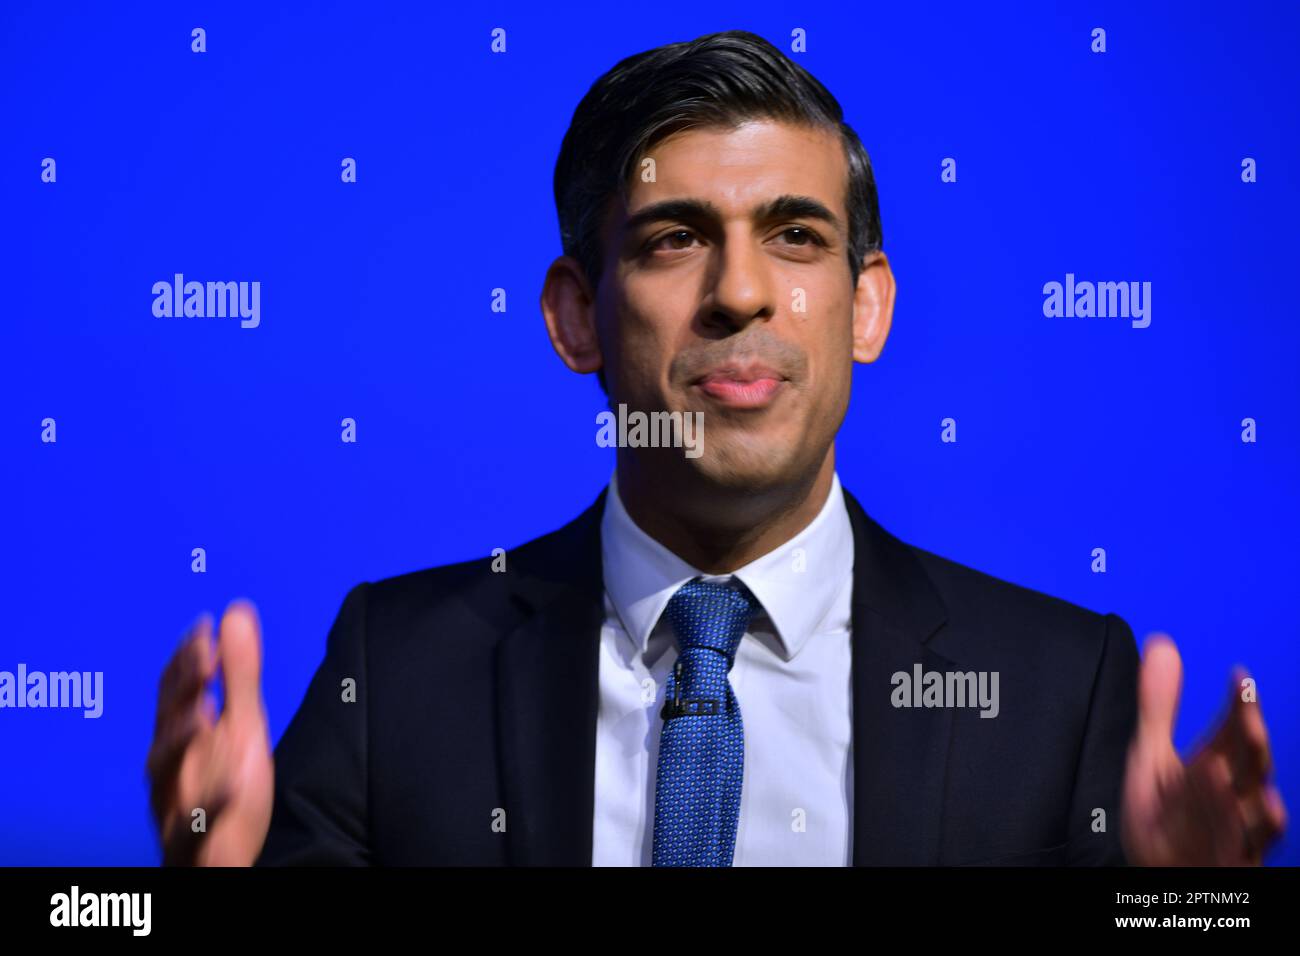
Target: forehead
point(737, 168)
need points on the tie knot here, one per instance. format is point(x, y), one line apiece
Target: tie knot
point(712, 615)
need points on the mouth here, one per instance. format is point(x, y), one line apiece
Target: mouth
point(747, 387)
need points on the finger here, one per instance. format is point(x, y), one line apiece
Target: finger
point(1159, 683)
point(170, 741)
point(1264, 818)
point(1218, 814)
point(1253, 759)
point(1242, 738)
point(168, 751)
point(1142, 779)
point(239, 648)
point(1276, 809)
point(191, 666)
point(181, 675)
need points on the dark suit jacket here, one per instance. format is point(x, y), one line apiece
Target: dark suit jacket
point(477, 693)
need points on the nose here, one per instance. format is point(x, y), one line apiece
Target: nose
point(742, 286)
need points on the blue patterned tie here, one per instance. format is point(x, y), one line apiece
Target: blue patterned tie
point(702, 745)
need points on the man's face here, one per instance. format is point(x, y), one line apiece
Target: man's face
point(727, 291)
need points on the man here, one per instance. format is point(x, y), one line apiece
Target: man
point(724, 660)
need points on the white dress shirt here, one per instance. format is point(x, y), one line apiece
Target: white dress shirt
point(791, 678)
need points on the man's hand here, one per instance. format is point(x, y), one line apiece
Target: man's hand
point(1218, 809)
point(221, 765)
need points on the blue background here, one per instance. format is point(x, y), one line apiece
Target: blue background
point(177, 433)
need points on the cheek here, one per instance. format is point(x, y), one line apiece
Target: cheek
point(826, 337)
point(655, 319)
point(641, 348)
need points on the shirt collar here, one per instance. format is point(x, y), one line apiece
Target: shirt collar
point(797, 583)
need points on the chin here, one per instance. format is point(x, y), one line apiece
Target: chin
point(747, 467)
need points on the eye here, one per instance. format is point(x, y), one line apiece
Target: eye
point(672, 238)
point(806, 234)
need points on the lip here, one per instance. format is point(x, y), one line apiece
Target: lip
point(752, 386)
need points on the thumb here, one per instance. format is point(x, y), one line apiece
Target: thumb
point(1159, 684)
point(239, 648)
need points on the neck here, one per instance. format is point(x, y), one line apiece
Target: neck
point(718, 530)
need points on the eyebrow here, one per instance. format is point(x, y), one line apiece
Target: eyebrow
point(688, 210)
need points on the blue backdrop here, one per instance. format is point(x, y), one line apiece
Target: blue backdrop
point(173, 434)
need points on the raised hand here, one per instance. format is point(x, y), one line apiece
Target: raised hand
point(1217, 809)
point(220, 764)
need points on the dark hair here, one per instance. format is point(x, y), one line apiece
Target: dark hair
point(721, 79)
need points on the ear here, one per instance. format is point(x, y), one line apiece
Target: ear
point(873, 307)
point(569, 305)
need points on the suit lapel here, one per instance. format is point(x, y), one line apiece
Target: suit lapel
point(547, 673)
point(899, 754)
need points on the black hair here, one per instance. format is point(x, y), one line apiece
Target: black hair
point(722, 79)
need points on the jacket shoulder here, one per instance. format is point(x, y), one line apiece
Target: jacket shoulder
point(494, 585)
point(964, 586)
point(1000, 615)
